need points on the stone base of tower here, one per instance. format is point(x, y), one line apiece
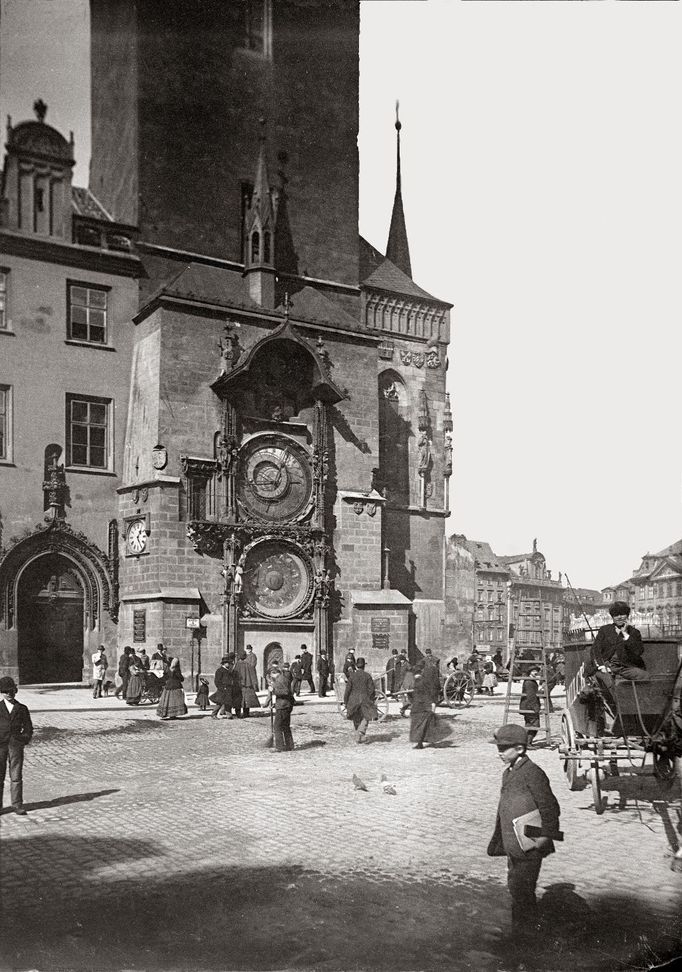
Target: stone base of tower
point(378, 621)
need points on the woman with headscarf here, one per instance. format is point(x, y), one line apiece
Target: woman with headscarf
point(172, 701)
point(135, 680)
point(423, 712)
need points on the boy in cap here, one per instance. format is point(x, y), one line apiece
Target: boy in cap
point(525, 788)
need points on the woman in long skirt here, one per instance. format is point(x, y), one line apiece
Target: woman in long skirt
point(422, 715)
point(135, 682)
point(172, 701)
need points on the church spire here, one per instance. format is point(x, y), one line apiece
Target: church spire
point(259, 233)
point(397, 248)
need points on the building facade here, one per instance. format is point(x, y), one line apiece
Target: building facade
point(279, 439)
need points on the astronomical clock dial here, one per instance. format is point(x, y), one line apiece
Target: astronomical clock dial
point(278, 580)
point(275, 481)
point(136, 537)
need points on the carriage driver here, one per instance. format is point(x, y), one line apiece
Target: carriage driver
point(617, 652)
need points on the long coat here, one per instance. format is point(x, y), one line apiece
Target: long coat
point(610, 648)
point(524, 788)
point(228, 692)
point(360, 694)
point(16, 725)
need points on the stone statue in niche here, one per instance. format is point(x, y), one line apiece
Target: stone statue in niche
point(424, 452)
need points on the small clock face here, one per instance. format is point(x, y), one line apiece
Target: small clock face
point(278, 579)
point(275, 478)
point(137, 536)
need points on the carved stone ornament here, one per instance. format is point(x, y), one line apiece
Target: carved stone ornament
point(433, 359)
point(418, 359)
point(406, 357)
point(386, 351)
point(135, 496)
point(371, 509)
point(358, 507)
point(204, 468)
point(159, 457)
point(144, 494)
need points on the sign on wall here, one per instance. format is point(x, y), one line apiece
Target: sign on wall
point(139, 625)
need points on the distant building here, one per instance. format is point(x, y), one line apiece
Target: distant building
point(536, 602)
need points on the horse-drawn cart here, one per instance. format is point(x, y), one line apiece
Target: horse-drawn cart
point(600, 735)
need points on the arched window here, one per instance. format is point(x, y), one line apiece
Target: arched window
point(266, 247)
point(255, 246)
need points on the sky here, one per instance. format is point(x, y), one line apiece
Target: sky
point(541, 157)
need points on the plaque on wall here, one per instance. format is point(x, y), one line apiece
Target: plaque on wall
point(381, 641)
point(139, 626)
point(380, 625)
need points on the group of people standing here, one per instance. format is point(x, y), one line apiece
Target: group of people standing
point(236, 684)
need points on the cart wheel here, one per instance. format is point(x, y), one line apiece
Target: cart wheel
point(459, 690)
point(381, 702)
point(570, 766)
point(665, 768)
point(595, 778)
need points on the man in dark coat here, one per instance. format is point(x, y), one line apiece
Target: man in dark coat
point(359, 699)
point(323, 673)
point(307, 667)
point(617, 652)
point(226, 695)
point(16, 730)
point(525, 788)
point(473, 666)
point(529, 704)
point(349, 663)
point(248, 682)
point(401, 666)
point(124, 672)
point(296, 675)
point(390, 671)
point(280, 694)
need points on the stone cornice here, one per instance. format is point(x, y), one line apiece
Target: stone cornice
point(70, 254)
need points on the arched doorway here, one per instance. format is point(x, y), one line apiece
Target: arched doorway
point(272, 653)
point(50, 621)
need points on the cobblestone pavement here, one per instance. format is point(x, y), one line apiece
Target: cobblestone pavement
point(191, 845)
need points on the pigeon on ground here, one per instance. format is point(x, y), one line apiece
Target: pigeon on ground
point(386, 786)
point(358, 784)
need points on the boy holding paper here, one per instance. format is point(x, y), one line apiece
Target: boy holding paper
point(526, 793)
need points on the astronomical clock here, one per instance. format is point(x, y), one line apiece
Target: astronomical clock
point(261, 507)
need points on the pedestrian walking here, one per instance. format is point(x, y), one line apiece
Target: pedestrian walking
point(307, 667)
point(248, 683)
point(99, 671)
point(135, 685)
point(406, 689)
point(423, 712)
point(16, 730)
point(525, 790)
point(280, 695)
point(296, 675)
point(172, 701)
point(401, 666)
point(359, 699)
point(349, 663)
point(529, 704)
point(123, 672)
point(227, 695)
point(144, 659)
point(201, 700)
point(390, 671)
point(322, 673)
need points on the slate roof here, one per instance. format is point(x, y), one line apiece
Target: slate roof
point(210, 285)
point(309, 304)
point(84, 203)
point(389, 277)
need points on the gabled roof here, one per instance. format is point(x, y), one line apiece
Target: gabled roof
point(673, 550)
point(389, 277)
point(484, 558)
point(519, 558)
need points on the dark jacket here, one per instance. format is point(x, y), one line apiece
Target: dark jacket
point(524, 788)
point(425, 693)
point(349, 665)
point(529, 701)
point(610, 648)
point(281, 690)
point(323, 666)
point(360, 693)
point(228, 691)
point(124, 664)
point(306, 663)
point(16, 726)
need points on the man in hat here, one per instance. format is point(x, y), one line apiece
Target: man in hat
point(307, 667)
point(323, 673)
point(358, 698)
point(525, 788)
point(224, 679)
point(281, 695)
point(390, 671)
point(16, 730)
point(617, 652)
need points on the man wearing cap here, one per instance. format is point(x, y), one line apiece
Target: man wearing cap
point(16, 730)
point(525, 788)
point(617, 652)
point(226, 695)
point(280, 692)
point(322, 673)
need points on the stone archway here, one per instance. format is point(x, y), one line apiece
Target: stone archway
point(272, 653)
point(50, 621)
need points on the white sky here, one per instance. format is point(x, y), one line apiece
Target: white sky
point(541, 181)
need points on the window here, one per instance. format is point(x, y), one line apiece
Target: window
point(87, 431)
point(196, 496)
point(5, 423)
point(4, 318)
point(87, 313)
point(257, 26)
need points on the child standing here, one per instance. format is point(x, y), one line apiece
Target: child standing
point(202, 695)
point(525, 788)
point(529, 705)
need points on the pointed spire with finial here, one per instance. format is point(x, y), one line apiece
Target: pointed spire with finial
point(397, 248)
point(261, 212)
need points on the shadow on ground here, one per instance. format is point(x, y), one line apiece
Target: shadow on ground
point(255, 918)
